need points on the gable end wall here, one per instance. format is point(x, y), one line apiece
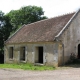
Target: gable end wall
point(70, 38)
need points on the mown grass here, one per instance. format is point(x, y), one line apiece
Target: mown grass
point(26, 67)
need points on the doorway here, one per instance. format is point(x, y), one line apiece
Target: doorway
point(39, 55)
point(79, 51)
point(22, 53)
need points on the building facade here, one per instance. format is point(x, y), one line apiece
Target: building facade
point(48, 42)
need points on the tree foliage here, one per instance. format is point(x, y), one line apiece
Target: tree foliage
point(5, 29)
point(26, 15)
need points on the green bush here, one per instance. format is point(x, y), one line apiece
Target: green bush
point(73, 59)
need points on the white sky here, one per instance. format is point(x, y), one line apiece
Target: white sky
point(51, 7)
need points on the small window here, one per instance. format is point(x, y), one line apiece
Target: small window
point(22, 53)
point(11, 53)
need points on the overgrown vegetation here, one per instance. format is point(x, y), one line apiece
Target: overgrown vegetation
point(73, 59)
point(26, 67)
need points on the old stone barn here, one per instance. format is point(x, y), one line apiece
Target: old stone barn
point(47, 42)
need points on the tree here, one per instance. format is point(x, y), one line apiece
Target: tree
point(25, 15)
point(5, 29)
point(2, 23)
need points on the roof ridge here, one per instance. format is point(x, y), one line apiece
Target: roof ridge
point(64, 14)
point(50, 18)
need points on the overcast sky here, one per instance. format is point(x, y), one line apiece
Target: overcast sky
point(51, 7)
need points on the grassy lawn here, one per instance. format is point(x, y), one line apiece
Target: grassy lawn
point(26, 67)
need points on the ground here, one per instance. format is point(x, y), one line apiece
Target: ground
point(72, 73)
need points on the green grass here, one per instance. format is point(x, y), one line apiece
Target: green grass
point(26, 67)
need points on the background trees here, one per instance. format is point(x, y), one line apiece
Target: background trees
point(25, 15)
point(5, 29)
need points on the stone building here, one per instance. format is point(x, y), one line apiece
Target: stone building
point(47, 42)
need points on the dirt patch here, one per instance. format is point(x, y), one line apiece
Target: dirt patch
point(62, 73)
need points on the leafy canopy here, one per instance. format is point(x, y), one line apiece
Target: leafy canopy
point(25, 15)
point(5, 29)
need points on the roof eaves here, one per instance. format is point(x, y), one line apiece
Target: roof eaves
point(66, 25)
point(14, 33)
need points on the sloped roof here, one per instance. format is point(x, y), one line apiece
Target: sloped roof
point(41, 31)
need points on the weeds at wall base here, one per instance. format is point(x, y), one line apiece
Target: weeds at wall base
point(26, 67)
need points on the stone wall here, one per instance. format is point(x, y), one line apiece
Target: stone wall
point(70, 38)
point(50, 53)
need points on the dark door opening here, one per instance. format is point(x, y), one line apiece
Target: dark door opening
point(11, 52)
point(22, 54)
point(79, 51)
point(1, 58)
point(40, 56)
